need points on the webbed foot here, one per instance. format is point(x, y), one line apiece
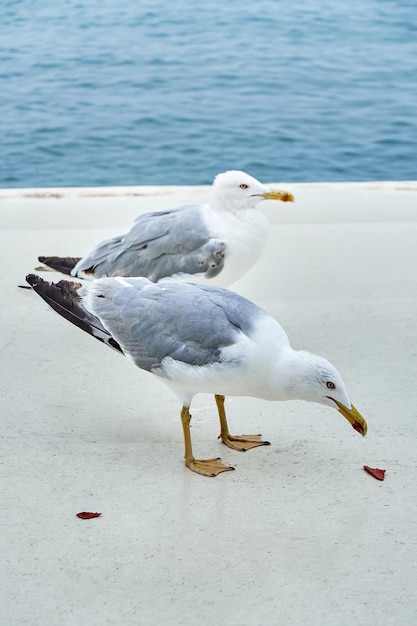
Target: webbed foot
point(243, 442)
point(208, 467)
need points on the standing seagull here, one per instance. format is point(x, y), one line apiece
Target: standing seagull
point(199, 338)
point(212, 243)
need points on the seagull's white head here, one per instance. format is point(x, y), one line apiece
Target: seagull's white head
point(235, 190)
point(316, 380)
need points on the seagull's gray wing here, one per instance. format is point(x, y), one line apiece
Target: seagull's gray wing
point(160, 244)
point(188, 323)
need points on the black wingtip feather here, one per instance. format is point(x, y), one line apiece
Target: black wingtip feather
point(60, 264)
point(63, 297)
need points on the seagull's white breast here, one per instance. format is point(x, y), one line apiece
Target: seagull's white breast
point(245, 233)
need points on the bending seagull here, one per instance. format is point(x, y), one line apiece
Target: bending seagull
point(216, 242)
point(199, 338)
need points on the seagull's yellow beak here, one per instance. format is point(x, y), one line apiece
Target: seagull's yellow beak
point(353, 417)
point(277, 194)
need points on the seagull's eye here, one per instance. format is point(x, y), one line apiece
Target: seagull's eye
point(244, 186)
point(330, 385)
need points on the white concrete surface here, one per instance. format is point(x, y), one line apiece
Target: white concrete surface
point(299, 533)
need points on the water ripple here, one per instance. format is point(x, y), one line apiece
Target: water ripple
point(168, 93)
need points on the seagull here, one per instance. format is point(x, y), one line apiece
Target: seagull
point(200, 339)
point(213, 243)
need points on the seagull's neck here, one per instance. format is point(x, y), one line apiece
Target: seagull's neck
point(287, 374)
point(269, 359)
point(230, 206)
point(301, 373)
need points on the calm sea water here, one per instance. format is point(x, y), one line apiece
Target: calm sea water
point(99, 92)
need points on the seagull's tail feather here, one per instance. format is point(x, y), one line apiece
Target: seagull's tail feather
point(65, 299)
point(60, 264)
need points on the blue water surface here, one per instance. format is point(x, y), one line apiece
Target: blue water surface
point(99, 92)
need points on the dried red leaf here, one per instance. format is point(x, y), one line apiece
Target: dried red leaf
point(87, 515)
point(379, 474)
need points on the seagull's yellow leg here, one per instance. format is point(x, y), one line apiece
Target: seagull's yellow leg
point(207, 467)
point(237, 442)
